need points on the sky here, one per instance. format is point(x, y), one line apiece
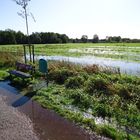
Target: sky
point(75, 17)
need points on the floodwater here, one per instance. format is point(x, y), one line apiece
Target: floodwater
point(47, 124)
point(131, 68)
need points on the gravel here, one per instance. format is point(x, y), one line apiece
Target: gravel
point(14, 125)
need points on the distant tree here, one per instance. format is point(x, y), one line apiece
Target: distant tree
point(135, 40)
point(126, 40)
point(84, 38)
point(19, 37)
point(52, 37)
point(12, 37)
point(117, 39)
point(77, 40)
point(43, 37)
point(11, 34)
point(95, 39)
point(114, 39)
point(7, 37)
point(64, 38)
point(35, 38)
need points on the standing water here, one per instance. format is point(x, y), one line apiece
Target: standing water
point(131, 68)
point(47, 124)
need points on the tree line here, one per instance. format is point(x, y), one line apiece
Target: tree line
point(108, 39)
point(9, 36)
point(12, 37)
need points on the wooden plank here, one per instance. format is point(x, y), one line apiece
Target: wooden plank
point(20, 74)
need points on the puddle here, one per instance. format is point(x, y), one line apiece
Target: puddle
point(131, 68)
point(5, 85)
point(47, 124)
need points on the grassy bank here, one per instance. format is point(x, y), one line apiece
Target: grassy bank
point(7, 61)
point(98, 99)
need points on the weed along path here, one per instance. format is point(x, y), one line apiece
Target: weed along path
point(23, 119)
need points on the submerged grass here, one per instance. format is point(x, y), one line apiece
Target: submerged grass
point(123, 51)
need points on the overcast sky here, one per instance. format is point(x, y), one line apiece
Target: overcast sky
point(76, 17)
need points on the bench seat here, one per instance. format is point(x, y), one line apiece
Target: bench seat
point(22, 70)
point(20, 74)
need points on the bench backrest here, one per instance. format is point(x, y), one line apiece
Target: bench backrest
point(24, 67)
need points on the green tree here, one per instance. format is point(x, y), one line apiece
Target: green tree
point(84, 38)
point(19, 37)
point(35, 38)
point(64, 38)
point(7, 37)
point(95, 39)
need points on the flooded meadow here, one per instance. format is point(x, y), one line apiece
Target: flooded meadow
point(93, 90)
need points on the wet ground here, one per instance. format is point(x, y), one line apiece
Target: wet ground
point(131, 68)
point(32, 121)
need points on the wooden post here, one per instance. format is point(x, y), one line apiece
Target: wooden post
point(30, 53)
point(24, 54)
point(33, 54)
point(47, 80)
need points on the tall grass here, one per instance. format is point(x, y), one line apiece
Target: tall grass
point(7, 59)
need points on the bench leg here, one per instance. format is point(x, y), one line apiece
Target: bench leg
point(10, 77)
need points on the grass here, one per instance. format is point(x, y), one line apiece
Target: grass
point(3, 74)
point(97, 93)
point(82, 94)
point(7, 61)
point(122, 51)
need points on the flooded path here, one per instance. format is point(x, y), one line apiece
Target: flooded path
point(132, 68)
point(47, 125)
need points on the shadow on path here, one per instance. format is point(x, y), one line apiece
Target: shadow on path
point(24, 99)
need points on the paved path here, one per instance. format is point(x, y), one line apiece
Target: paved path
point(14, 125)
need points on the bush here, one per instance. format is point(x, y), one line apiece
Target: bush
point(74, 82)
point(3, 74)
point(80, 99)
point(59, 76)
point(111, 89)
point(138, 104)
point(101, 110)
point(124, 92)
point(96, 84)
point(92, 69)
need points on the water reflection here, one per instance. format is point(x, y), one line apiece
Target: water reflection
point(48, 125)
point(6, 85)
